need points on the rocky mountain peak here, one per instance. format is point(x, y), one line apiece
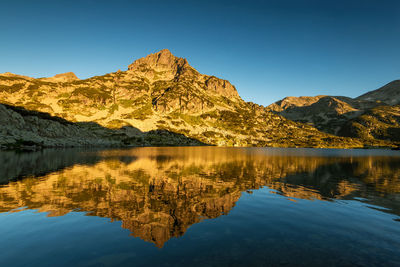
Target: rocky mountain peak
point(163, 63)
point(164, 66)
point(66, 75)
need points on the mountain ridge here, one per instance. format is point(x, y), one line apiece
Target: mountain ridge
point(389, 94)
point(373, 115)
point(163, 92)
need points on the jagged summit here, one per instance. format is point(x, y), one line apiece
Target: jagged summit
point(162, 64)
point(162, 59)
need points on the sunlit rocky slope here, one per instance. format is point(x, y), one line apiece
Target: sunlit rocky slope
point(160, 91)
point(371, 116)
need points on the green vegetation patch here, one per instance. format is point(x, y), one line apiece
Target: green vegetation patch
point(38, 106)
point(33, 90)
point(9, 78)
point(64, 95)
point(189, 119)
point(11, 88)
point(126, 103)
point(93, 93)
point(113, 108)
point(140, 114)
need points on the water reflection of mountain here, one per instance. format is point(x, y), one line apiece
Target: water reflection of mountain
point(158, 193)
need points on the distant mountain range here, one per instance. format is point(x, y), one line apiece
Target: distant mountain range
point(374, 115)
point(162, 96)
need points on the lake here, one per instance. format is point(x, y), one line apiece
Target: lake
point(200, 206)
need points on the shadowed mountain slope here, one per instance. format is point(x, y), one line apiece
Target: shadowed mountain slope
point(388, 94)
point(25, 129)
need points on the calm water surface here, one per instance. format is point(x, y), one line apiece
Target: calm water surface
point(202, 206)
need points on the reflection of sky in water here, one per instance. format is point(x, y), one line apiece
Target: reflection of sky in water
point(203, 205)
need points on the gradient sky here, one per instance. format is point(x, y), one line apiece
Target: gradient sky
point(267, 49)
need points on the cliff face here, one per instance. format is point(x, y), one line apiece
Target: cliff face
point(163, 92)
point(164, 66)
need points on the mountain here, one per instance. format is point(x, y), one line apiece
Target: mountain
point(371, 116)
point(388, 94)
point(163, 92)
point(63, 77)
point(326, 113)
point(382, 122)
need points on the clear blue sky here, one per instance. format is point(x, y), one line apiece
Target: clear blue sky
point(267, 49)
